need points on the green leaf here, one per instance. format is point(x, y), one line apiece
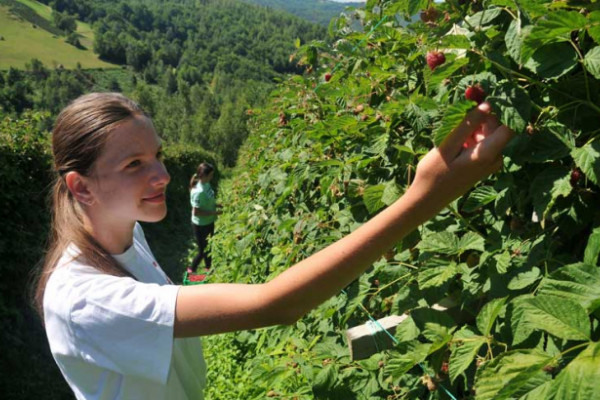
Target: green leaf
point(555, 27)
point(483, 17)
point(592, 250)
point(592, 61)
point(594, 27)
point(588, 159)
point(511, 374)
point(579, 380)
point(434, 78)
point(545, 63)
point(453, 116)
point(471, 241)
point(414, 6)
point(547, 186)
point(520, 330)
point(391, 193)
point(514, 39)
point(524, 279)
point(512, 104)
point(466, 344)
point(401, 362)
point(440, 242)
point(488, 314)
point(578, 282)
point(502, 262)
point(436, 276)
point(372, 198)
point(558, 316)
point(479, 197)
point(325, 381)
point(407, 330)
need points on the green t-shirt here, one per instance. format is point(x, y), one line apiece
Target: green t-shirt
point(202, 196)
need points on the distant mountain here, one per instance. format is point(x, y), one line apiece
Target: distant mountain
point(317, 11)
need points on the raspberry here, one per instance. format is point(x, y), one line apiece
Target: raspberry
point(475, 93)
point(575, 176)
point(327, 77)
point(429, 15)
point(435, 58)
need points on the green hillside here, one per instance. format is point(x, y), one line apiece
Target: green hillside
point(24, 40)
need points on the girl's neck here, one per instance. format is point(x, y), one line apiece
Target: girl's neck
point(115, 238)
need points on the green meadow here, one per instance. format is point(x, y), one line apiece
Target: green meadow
point(22, 42)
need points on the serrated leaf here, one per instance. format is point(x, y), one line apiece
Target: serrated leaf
point(513, 105)
point(436, 276)
point(555, 27)
point(592, 250)
point(592, 61)
point(407, 330)
point(578, 282)
point(502, 262)
point(594, 27)
point(514, 39)
point(510, 374)
point(372, 197)
point(547, 186)
point(465, 346)
point(483, 17)
point(479, 197)
point(520, 330)
point(434, 78)
point(558, 316)
point(414, 6)
point(488, 314)
point(471, 241)
point(453, 116)
point(579, 380)
point(325, 381)
point(412, 354)
point(587, 158)
point(524, 279)
point(545, 63)
point(391, 193)
point(439, 242)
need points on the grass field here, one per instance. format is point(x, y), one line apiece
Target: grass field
point(86, 34)
point(22, 42)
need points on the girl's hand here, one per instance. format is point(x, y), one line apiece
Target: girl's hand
point(470, 153)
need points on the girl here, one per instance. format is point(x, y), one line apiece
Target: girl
point(204, 213)
point(117, 327)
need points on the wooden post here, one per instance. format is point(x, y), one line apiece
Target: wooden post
point(369, 338)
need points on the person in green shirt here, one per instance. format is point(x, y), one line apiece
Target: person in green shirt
point(204, 213)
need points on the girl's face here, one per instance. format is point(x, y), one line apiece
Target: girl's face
point(129, 179)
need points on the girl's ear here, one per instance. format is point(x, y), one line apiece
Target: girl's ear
point(78, 187)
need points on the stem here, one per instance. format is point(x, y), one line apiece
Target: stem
point(585, 76)
point(464, 221)
point(571, 349)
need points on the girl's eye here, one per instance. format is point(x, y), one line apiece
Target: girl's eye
point(133, 164)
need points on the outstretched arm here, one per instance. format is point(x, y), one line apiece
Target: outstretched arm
point(442, 175)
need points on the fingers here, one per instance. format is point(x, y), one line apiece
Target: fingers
point(492, 145)
point(453, 143)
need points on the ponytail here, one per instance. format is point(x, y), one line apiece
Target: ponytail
point(203, 170)
point(79, 135)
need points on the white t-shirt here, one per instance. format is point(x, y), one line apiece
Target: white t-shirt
point(112, 337)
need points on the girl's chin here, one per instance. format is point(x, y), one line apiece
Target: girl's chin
point(154, 216)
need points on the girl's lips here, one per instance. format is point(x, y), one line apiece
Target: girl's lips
point(158, 198)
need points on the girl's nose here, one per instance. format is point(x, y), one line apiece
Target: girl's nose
point(160, 176)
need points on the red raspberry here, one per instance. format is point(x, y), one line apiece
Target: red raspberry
point(475, 93)
point(429, 15)
point(575, 176)
point(435, 58)
point(327, 77)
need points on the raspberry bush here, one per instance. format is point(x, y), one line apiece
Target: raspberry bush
point(518, 254)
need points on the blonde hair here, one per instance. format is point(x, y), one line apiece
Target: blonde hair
point(79, 135)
